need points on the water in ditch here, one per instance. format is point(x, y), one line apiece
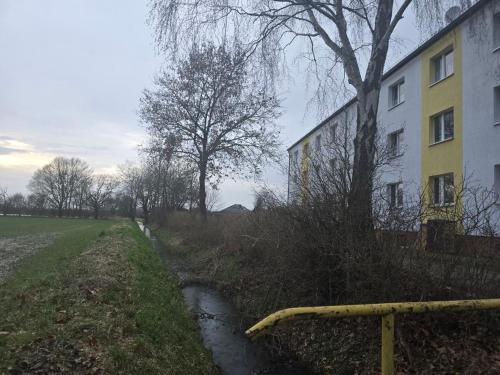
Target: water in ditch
point(221, 328)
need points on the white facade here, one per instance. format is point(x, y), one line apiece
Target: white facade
point(406, 119)
point(403, 120)
point(481, 76)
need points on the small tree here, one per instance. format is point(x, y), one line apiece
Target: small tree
point(100, 192)
point(221, 119)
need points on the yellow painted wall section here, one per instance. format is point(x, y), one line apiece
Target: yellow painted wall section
point(304, 169)
point(445, 157)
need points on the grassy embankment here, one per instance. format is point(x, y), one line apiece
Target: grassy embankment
point(97, 300)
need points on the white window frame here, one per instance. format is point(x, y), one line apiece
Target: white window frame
point(395, 194)
point(398, 150)
point(400, 96)
point(441, 61)
point(441, 179)
point(438, 120)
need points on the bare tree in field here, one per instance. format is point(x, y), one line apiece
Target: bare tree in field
point(130, 180)
point(17, 203)
point(221, 118)
point(3, 199)
point(58, 181)
point(100, 192)
point(350, 36)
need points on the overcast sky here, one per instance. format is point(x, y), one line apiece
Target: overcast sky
point(71, 74)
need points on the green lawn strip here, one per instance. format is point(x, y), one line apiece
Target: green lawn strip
point(11, 226)
point(167, 338)
point(98, 301)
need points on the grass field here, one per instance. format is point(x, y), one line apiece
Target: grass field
point(96, 299)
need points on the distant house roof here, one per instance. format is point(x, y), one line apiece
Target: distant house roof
point(234, 209)
point(457, 21)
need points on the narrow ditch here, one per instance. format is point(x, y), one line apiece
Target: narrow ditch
point(221, 327)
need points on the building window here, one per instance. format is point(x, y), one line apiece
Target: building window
point(333, 131)
point(443, 190)
point(442, 66)
point(496, 105)
point(333, 164)
point(496, 184)
point(496, 31)
point(317, 143)
point(442, 126)
point(396, 93)
point(395, 194)
point(394, 142)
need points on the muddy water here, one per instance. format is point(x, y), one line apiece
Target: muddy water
point(221, 327)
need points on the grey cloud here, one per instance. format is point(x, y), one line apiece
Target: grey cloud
point(9, 150)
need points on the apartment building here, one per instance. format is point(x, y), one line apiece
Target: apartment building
point(438, 117)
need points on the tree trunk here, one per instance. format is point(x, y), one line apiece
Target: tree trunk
point(146, 213)
point(360, 197)
point(60, 210)
point(96, 213)
point(202, 196)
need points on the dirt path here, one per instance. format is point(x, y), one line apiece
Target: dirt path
point(14, 249)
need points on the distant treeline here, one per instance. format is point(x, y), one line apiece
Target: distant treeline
point(69, 187)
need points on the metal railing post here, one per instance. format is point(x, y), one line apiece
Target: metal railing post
point(386, 310)
point(387, 356)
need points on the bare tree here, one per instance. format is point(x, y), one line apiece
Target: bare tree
point(17, 203)
point(3, 199)
point(58, 181)
point(130, 180)
point(100, 192)
point(221, 120)
point(347, 36)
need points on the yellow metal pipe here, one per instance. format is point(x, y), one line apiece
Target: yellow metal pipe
point(301, 313)
point(387, 352)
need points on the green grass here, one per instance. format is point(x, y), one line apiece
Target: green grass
point(97, 299)
point(11, 226)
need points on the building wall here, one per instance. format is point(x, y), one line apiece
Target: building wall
point(475, 148)
point(300, 171)
point(481, 67)
point(447, 156)
point(406, 116)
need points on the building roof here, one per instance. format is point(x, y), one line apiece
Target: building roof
point(457, 21)
point(234, 209)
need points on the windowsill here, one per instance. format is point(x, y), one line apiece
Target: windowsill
point(442, 79)
point(440, 142)
point(395, 105)
point(496, 49)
